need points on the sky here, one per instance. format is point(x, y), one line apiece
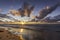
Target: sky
point(6, 5)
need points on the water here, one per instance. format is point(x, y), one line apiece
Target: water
point(38, 32)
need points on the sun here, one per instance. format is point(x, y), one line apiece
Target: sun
point(22, 22)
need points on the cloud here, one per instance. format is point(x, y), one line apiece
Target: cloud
point(47, 10)
point(52, 19)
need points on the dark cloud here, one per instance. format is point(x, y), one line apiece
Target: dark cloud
point(26, 9)
point(52, 19)
point(47, 10)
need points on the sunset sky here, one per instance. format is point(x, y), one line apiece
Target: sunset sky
point(6, 5)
